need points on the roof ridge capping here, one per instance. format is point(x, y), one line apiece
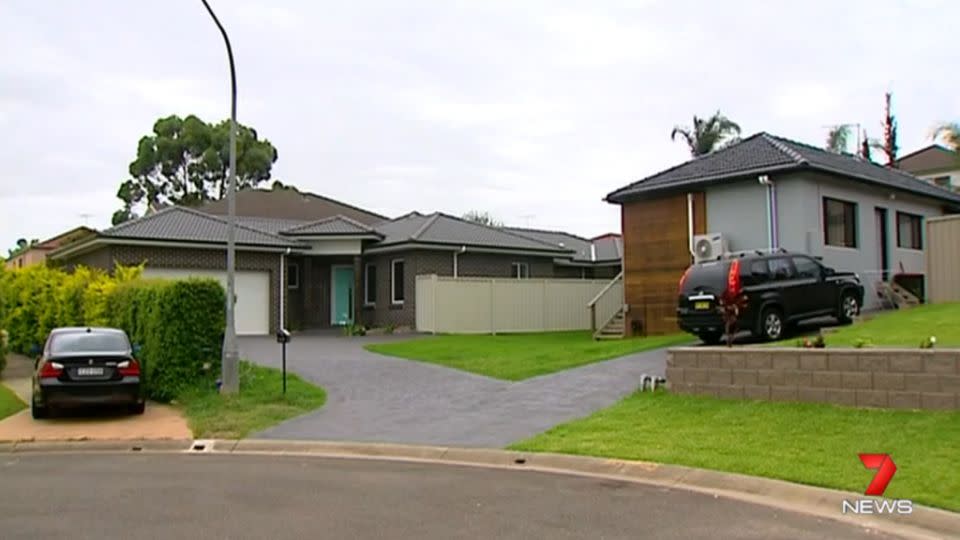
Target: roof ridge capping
point(781, 146)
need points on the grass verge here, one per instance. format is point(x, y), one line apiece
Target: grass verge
point(9, 402)
point(515, 357)
point(259, 404)
point(812, 444)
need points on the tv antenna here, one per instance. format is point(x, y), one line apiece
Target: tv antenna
point(86, 218)
point(526, 218)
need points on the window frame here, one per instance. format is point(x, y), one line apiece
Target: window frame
point(516, 267)
point(393, 282)
point(296, 272)
point(367, 301)
point(916, 232)
point(855, 225)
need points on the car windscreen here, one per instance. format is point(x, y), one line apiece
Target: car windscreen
point(81, 342)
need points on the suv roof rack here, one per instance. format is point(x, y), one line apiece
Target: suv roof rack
point(744, 253)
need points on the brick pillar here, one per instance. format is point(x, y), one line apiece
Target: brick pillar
point(357, 288)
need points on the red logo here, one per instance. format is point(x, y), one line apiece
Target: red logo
point(885, 468)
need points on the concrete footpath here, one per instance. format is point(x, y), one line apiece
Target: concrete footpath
point(157, 422)
point(923, 523)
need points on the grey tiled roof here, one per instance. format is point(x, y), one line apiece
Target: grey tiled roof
point(438, 228)
point(181, 224)
point(603, 249)
point(335, 225)
point(762, 153)
point(270, 225)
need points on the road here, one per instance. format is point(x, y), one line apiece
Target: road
point(101, 496)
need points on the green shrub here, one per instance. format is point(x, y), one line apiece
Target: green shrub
point(178, 324)
point(183, 330)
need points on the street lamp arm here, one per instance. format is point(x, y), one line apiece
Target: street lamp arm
point(233, 70)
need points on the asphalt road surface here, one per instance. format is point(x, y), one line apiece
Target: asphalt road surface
point(232, 496)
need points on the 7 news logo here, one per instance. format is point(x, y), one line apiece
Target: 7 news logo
point(886, 468)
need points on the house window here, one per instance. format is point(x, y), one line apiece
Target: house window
point(909, 231)
point(370, 284)
point(396, 281)
point(839, 223)
point(520, 270)
point(293, 276)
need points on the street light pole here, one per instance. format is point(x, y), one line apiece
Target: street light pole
point(229, 367)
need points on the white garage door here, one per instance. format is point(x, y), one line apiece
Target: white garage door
point(253, 295)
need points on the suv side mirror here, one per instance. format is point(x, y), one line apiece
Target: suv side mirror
point(827, 271)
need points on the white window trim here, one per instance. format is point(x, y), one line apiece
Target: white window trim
point(366, 287)
point(393, 282)
point(296, 285)
point(520, 265)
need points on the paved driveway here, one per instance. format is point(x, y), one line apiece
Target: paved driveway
point(382, 399)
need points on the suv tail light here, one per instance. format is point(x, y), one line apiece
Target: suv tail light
point(733, 278)
point(683, 279)
point(129, 368)
point(51, 370)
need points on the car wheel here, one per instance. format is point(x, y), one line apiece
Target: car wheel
point(771, 324)
point(849, 308)
point(711, 338)
point(38, 412)
point(137, 408)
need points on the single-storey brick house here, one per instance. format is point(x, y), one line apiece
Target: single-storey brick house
point(767, 192)
point(321, 262)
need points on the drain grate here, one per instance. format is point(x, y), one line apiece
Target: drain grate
point(201, 446)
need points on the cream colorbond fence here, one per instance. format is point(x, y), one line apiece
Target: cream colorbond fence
point(943, 259)
point(503, 305)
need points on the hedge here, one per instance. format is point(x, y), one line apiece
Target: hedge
point(177, 324)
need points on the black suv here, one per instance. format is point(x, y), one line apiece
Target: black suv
point(780, 289)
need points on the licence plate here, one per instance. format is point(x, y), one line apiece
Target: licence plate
point(699, 306)
point(90, 371)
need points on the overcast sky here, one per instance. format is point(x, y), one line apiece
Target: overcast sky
point(532, 110)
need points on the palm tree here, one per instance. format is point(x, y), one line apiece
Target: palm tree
point(707, 134)
point(950, 133)
point(838, 137)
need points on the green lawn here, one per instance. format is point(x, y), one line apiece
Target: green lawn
point(904, 328)
point(515, 357)
point(9, 402)
point(259, 405)
point(801, 442)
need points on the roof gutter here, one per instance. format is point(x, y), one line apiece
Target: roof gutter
point(71, 249)
point(407, 246)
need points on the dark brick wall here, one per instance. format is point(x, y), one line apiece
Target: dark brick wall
point(496, 265)
point(99, 258)
point(894, 378)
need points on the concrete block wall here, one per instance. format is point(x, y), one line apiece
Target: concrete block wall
point(890, 378)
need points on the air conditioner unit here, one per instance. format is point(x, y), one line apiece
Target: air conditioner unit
point(709, 247)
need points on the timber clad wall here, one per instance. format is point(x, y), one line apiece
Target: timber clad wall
point(655, 255)
point(894, 378)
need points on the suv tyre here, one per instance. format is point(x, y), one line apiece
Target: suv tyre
point(771, 324)
point(849, 308)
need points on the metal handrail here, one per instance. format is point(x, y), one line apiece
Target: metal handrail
point(604, 290)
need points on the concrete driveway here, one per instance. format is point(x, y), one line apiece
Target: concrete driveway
point(376, 398)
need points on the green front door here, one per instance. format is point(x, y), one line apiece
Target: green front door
point(342, 301)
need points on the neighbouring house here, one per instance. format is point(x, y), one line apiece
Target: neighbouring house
point(318, 262)
point(767, 192)
point(37, 253)
point(935, 164)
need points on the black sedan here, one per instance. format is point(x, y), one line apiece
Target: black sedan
point(86, 366)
